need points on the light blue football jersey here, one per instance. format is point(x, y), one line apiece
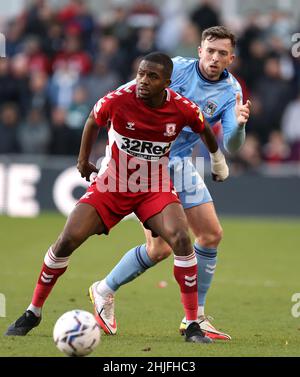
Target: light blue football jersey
point(216, 99)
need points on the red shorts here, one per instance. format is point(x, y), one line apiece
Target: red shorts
point(114, 206)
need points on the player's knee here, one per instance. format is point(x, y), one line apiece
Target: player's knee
point(211, 238)
point(66, 244)
point(180, 241)
point(158, 251)
point(217, 235)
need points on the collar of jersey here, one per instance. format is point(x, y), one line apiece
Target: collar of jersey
point(223, 76)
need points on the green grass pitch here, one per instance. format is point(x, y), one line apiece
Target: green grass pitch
point(257, 274)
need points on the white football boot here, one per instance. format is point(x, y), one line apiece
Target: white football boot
point(104, 310)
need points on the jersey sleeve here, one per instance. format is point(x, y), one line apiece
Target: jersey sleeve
point(101, 111)
point(228, 118)
point(196, 120)
point(233, 135)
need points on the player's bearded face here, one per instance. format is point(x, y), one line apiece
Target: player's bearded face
point(150, 80)
point(215, 56)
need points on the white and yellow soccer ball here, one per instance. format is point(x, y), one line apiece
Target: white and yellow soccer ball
point(76, 333)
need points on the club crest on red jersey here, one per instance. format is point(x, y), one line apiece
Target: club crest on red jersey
point(170, 129)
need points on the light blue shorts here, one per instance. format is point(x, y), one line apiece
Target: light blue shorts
point(188, 183)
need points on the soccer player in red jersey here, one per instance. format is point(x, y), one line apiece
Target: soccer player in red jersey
point(143, 122)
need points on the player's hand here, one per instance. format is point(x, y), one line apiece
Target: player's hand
point(242, 112)
point(85, 169)
point(219, 168)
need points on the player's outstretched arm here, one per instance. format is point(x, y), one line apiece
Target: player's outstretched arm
point(209, 138)
point(219, 167)
point(89, 136)
point(233, 122)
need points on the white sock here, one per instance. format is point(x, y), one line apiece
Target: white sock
point(103, 289)
point(200, 311)
point(35, 310)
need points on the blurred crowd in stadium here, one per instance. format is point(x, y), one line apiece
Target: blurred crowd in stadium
point(60, 61)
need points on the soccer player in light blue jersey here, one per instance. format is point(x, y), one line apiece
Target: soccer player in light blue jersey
point(207, 82)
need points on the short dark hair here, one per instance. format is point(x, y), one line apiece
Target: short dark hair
point(218, 32)
point(163, 59)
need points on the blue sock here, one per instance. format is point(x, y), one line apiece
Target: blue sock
point(206, 259)
point(134, 262)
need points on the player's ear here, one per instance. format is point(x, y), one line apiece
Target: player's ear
point(168, 82)
point(232, 57)
point(199, 50)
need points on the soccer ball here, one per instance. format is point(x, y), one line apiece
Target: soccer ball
point(76, 333)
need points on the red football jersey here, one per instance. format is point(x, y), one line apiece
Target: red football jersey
point(139, 136)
